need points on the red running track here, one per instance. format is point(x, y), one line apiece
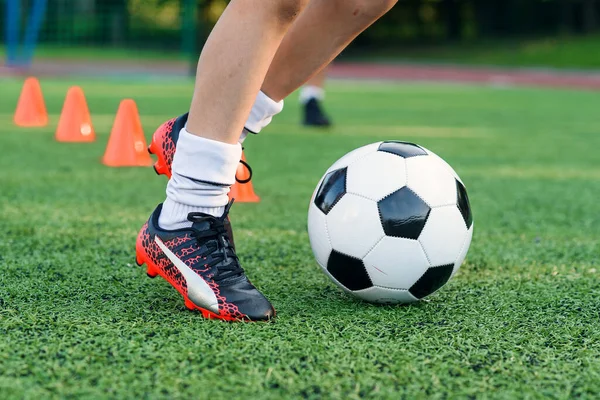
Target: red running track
point(492, 76)
point(394, 72)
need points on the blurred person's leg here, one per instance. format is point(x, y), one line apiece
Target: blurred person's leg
point(321, 32)
point(312, 95)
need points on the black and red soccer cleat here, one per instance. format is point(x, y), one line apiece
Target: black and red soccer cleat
point(200, 262)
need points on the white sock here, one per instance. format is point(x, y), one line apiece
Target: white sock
point(309, 92)
point(203, 172)
point(263, 111)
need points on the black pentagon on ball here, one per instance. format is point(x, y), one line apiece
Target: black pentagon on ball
point(332, 189)
point(402, 149)
point(348, 271)
point(433, 279)
point(464, 206)
point(403, 214)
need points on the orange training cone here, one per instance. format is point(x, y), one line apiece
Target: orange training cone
point(75, 124)
point(31, 109)
point(243, 192)
point(127, 145)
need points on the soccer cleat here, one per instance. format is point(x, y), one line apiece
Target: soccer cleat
point(314, 114)
point(200, 262)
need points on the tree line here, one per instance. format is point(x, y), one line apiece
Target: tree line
point(129, 22)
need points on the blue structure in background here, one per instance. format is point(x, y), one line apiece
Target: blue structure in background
point(32, 30)
point(13, 11)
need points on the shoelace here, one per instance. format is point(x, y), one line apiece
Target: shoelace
point(220, 249)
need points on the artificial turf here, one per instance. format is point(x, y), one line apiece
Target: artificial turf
point(78, 318)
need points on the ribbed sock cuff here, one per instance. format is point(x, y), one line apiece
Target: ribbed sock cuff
point(263, 111)
point(174, 215)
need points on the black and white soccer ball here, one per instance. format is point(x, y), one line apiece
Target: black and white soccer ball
point(390, 222)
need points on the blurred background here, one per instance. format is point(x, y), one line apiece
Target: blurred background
point(526, 33)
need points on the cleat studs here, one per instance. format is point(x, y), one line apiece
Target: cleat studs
point(160, 168)
point(138, 261)
point(151, 272)
point(153, 148)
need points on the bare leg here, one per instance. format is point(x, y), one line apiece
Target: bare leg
point(233, 65)
point(321, 32)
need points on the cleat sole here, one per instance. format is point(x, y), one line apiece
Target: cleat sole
point(189, 305)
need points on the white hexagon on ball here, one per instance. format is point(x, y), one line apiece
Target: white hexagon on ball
point(443, 236)
point(353, 156)
point(396, 263)
point(431, 181)
point(376, 175)
point(354, 226)
point(444, 163)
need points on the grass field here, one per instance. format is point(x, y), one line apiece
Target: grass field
point(78, 318)
point(569, 52)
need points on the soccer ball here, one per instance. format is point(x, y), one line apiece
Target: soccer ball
point(390, 222)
